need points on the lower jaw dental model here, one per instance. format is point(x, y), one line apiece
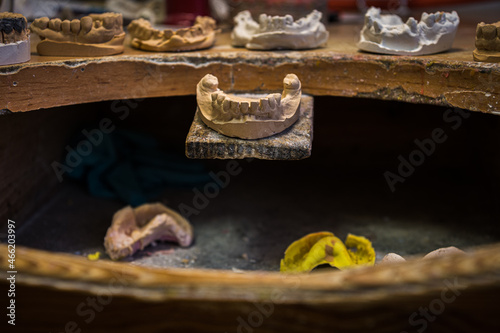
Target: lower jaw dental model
point(388, 34)
point(93, 35)
point(14, 39)
point(247, 116)
point(487, 42)
point(199, 36)
point(279, 32)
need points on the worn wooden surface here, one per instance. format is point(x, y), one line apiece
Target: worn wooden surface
point(448, 79)
point(383, 296)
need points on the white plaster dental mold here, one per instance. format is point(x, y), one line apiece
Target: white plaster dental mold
point(279, 32)
point(487, 42)
point(199, 36)
point(93, 35)
point(248, 116)
point(388, 34)
point(14, 39)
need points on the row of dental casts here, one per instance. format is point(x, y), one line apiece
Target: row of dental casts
point(103, 34)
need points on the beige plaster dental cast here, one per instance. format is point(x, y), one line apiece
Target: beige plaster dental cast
point(14, 39)
point(199, 36)
point(248, 116)
point(132, 229)
point(388, 34)
point(279, 32)
point(443, 251)
point(93, 35)
point(487, 42)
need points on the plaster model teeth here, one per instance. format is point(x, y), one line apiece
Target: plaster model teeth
point(487, 42)
point(248, 117)
point(254, 107)
point(489, 32)
point(86, 23)
point(244, 106)
point(387, 34)
point(55, 24)
point(14, 39)
point(368, 21)
point(226, 105)
point(108, 22)
point(377, 27)
point(75, 26)
point(429, 19)
point(66, 26)
point(199, 36)
point(103, 29)
point(412, 24)
point(42, 23)
point(279, 32)
point(13, 28)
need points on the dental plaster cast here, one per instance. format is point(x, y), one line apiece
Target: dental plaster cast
point(14, 39)
point(132, 229)
point(247, 116)
point(200, 36)
point(443, 251)
point(93, 35)
point(388, 34)
point(279, 32)
point(487, 42)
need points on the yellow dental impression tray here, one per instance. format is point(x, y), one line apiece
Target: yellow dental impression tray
point(319, 248)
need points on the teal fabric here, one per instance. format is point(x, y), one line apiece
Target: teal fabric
point(132, 167)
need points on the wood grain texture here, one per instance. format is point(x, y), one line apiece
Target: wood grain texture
point(379, 298)
point(448, 79)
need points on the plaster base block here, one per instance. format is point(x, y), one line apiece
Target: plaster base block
point(294, 143)
point(15, 53)
point(486, 56)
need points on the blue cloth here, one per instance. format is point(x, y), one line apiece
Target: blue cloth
point(131, 166)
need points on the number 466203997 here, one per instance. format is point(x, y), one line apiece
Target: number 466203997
point(11, 240)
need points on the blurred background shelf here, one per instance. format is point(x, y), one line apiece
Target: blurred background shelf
point(449, 79)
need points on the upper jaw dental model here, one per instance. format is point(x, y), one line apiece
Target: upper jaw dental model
point(246, 116)
point(487, 42)
point(279, 32)
point(199, 36)
point(93, 35)
point(388, 34)
point(14, 39)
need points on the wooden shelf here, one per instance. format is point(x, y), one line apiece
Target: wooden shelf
point(450, 79)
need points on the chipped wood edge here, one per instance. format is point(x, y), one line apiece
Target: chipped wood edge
point(477, 269)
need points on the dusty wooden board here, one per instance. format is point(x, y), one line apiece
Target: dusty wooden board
point(449, 79)
point(295, 143)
